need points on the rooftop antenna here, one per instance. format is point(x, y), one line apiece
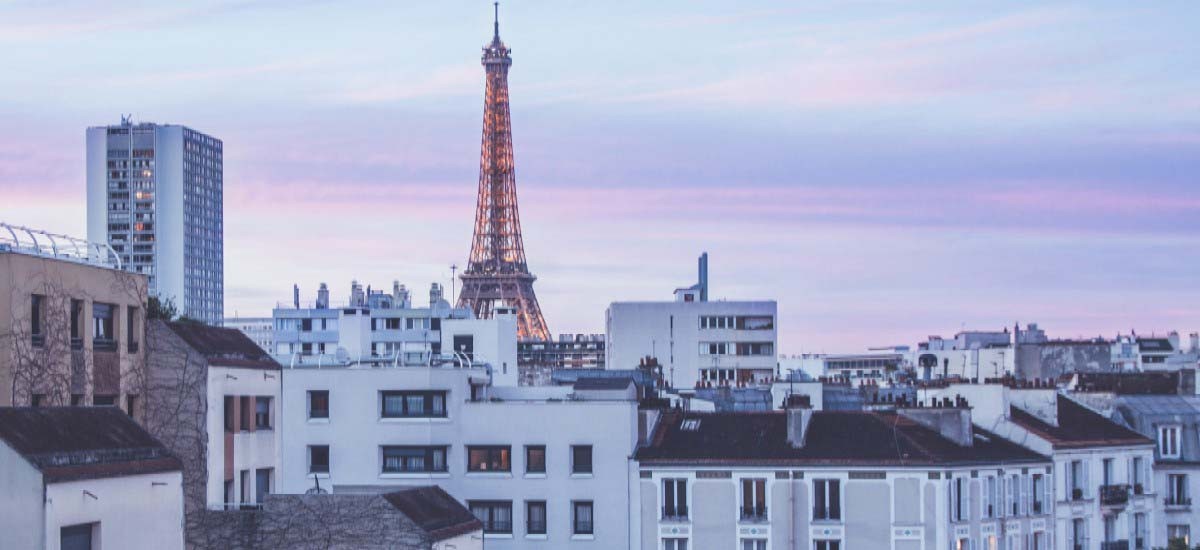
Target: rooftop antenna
point(453, 270)
point(496, 23)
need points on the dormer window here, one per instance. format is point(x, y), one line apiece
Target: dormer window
point(1168, 441)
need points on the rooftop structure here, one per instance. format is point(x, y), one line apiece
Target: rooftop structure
point(36, 242)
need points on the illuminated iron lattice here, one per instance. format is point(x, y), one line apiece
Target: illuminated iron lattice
point(497, 275)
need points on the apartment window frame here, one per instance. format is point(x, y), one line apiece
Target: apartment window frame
point(532, 525)
point(582, 460)
point(131, 340)
point(322, 466)
point(1168, 441)
point(535, 466)
point(432, 404)
point(37, 320)
point(495, 459)
point(261, 489)
point(753, 499)
point(262, 412)
point(315, 413)
point(1177, 489)
point(429, 455)
point(104, 324)
point(583, 518)
point(675, 543)
point(830, 507)
point(493, 523)
point(827, 544)
point(753, 543)
point(675, 499)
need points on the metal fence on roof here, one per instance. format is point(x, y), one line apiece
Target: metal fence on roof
point(25, 240)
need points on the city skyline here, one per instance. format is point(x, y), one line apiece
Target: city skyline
point(1061, 192)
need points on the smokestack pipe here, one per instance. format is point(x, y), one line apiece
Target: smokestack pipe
point(703, 268)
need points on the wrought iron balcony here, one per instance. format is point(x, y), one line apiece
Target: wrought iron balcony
point(1115, 545)
point(754, 513)
point(675, 513)
point(1114, 495)
point(1177, 501)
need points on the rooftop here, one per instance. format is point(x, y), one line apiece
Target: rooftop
point(223, 347)
point(841, 438)
point(606, 383)
point(435, 511)
point(72, 443)
point(35, 242)
point(1141, 383)
point(1078, 427)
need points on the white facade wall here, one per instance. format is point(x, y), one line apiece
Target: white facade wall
point(254, 450)
point(355, 432)
point(22, 515)
point(133, 512)
point(495, 343)
point(670, 331)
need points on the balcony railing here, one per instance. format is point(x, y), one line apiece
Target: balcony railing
point(1177, 501)
point(1114, 495)
point(674, 513)
point(1115, 545)
point(104, 344)
point(1077, 494)
point(497, 526)
point(1139, 489)
point(754, 513)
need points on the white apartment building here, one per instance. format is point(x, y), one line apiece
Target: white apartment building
point(1105, 496)
point(384, 328)
point(213, 398)
point(906, 479)
point(155, 194)
point(544, 467)
point(83, 478)
point(260, 330)
point(697, 341)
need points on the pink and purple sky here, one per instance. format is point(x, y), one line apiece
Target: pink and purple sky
point(885, 170)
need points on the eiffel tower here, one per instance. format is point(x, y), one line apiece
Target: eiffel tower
point(496, 275)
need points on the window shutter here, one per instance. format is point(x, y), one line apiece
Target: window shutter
point(1086, 484)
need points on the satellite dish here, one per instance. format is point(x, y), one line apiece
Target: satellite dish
point(343, 356)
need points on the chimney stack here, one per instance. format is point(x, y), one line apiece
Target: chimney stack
point(323, 297)
point(799, 416)
point(953, 423)
point(703, 268)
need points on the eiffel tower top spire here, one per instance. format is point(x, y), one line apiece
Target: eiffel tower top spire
point(496, 23)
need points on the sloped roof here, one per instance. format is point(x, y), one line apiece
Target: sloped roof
point(1128, 383)
point(1078, 427)
point(857, 438)
point(225, 347)
point(71, 443)
point(435, 511)
point(1155, 344)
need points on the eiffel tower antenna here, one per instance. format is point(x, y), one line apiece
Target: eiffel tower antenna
point(496, 276)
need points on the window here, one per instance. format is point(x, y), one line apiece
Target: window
point(1177, 493)
point(1139, 531)
point(229, 413)
point(318, 404)
point(244, 477)
point(1039, 494)
point(318, 459)
point(262, 413)
point(1138, 475)
point(535, 517)
point(411, 459)
point(582, 517)
point(414, 404)
point(675, 499)
point(1014, 492)
point(76, 324)
point(1078, 480)
point(103, 336)
point(989, 497)
point(958, 499)
point(131, 339)
point(488, 458)
point(131, 405)
point(244, 413)
point(76, 537)
point(104, 400)
point(827, 503)
point(496, 515)
point(1078, 535)
point(675, 544)
point(754, 544)
point(1179, 532)
point(1168, 441)
point(535, 459)
point(828, 544)
point(764, 322)
point(37, 304)
point(581, 459)
point(37, 400)
point(754, 499)
point(262, 484)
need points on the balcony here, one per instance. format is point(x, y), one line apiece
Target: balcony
point(1177, 501)
point(1077, 494)
point(754, 513)
point(1139, 489)
point(674, 513)
point(1114, 495)
point(1115, 545)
